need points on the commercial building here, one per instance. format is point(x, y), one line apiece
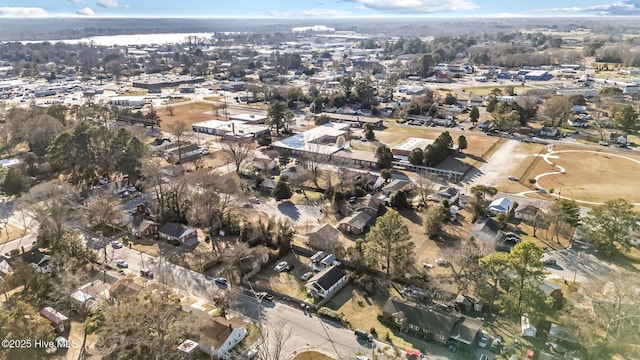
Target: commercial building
point(231, 128)
point(402, 150)
point(156, 83)
point(352, 120)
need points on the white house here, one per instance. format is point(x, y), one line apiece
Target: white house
point(528, 330)
point(527, 212)
point(327, 282)
point(549, 132)
point(500, 205)
point(220, 335)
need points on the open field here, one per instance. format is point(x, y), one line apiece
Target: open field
point(190, 113)
point(9, 232)
point(594, 176)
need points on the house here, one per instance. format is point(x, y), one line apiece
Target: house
point(38, 260)
point(527, 330)
point(357, 223)
point(581, 123)
point(323, 238)
point(59, 322)
point(618, 138)
point(450, 194)
point(186, 150)
point(160, 144)
point(141, 227)
point(394, 186)
point(551, 290)
point(549, 132)
point(486, 229)
point(267, 185)
point(559, 332)
point(219, 335)
point(430, 321)
point(175, 232)
point(527, 212)
point(500, 205)
point(463, 303)
point(484, 125)
point(327, 282)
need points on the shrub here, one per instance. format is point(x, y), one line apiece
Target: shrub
point(532, 181)
point(331, 314)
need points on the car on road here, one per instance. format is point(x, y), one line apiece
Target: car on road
point(264, 296)
point(281, 266)
point(484, 340)
point(116, 244)
point(306, 276)
point(549, 262)
point(220, 281)
point(442, 262)
point(514, 178)
point(122, 264)
point(363, 335)
point(603, 143)
point(362, 357)
point(146, 273)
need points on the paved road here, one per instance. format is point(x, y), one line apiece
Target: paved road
point(577, 263)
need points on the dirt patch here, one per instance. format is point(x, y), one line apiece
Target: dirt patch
point(312, 355)
point(288, 283)
point(592, 176)
point(190, 113)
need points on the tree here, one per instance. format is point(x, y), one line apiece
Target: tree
point(179, 130)
point(384, 157)
point(505, 121)
point(103, 213)
point(272, 344)
point(22, 322)
point(626, 119)
point(399, 200)
point(524, 260)
point(280, 116)
point(389, 242)
point(14, 183)
point(238, 151)
point(610, 225)
point(556, 110)
point(450, 99)
point(147, 324)
point(462, 142)
point(282, 189)
point(367, 131)
point(386, 174)
point(496, 266)
point(474, 114)
point(416, 156)
point(433, 221)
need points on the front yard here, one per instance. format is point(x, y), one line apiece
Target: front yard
point(286, 282)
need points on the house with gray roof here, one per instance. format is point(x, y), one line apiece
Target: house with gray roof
point(357, 223)
point(327, 282)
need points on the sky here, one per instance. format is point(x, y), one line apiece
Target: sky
point(304, 9)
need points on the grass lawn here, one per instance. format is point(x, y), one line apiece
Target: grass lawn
point(9, 232)
point(312, 355)
point(288, 283)
point(190, 113)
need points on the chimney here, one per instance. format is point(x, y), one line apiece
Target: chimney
point(233, 128)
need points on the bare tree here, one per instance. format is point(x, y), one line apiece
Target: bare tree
point(425, 189)
point(555, 110)
point(238, 151)
point(274, 341)
point(179, 130)
point(103, 212)
point(169, 110)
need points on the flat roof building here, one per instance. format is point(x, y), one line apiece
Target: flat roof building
point(353, 120)
point(249, 118)
point(404, 148)
point(156, 83)
point(231, 128)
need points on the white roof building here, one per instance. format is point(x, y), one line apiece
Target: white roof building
point(500, 205)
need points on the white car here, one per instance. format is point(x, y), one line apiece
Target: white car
point(442, 262)
point(282, 265)
point(122, 264)
point(484, 340)
point(116, 244)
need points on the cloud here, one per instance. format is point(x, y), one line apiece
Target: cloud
point(417, 6)
point(22, 11)
point(86, 12)
point(627, 7)
point(108, 3)
point(326, 13)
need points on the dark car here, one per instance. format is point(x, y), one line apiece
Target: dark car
point(289, 267)
point(363, 335)
point(146, 273)
point(220, 281)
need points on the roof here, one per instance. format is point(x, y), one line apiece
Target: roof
point(53, 316)
point(326, 232)
point(326, 278)
point(358, 220)
point(435, 321)
point(501, 204)
point(33, 256)
point(218, 329)
point(141, 224)
point(413, 143)
point(465, 331)
point(395, 185)
point(485, 225)
point(268, 184)
point(175, 230)
point(448, 192)
point(548, 288)
point(528, 210)
point(159, 141)
point(560, 332)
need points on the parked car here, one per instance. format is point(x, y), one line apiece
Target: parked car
point(122, 264)
point(306, 276)
point(484, 340)
point(603, 143)
point(220, 281)
point(289, 267)
point(549, 262)
point(363, 335)
point(483, 357)
point(281, 266)
point(146, 273)
point(513, 178)
point(264, 296)
point(442, 262)
point(116, 244)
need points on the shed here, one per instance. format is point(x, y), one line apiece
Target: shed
point(59, 321)
point(528, 330)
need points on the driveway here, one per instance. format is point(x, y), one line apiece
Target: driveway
point(499, 165)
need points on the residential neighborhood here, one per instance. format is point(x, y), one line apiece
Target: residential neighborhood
point(322, 192)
